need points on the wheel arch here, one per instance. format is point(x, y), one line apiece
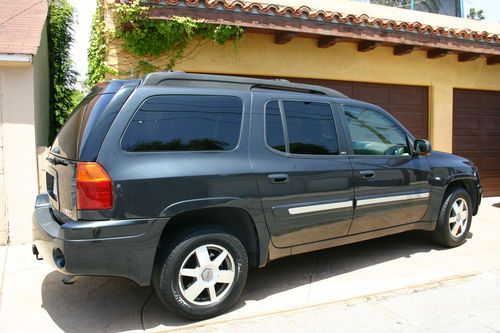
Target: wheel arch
point(233, 220)
point(470, 185)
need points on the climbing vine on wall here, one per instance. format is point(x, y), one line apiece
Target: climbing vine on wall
point(97, 49)
point(148, 38)
point(62, 74)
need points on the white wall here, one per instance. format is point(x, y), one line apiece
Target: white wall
point(3, 217)
point(20, 185)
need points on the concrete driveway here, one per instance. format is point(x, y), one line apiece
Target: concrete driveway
point(34, 298)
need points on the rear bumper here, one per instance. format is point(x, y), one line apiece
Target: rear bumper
point(123, 248)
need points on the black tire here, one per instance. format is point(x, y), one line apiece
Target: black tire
point(445, 233)
point(172, 288)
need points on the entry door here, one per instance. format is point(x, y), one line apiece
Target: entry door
point(391, 185)
point(304, 181)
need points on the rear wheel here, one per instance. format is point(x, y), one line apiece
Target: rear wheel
point(203, 275)
point(454, 219)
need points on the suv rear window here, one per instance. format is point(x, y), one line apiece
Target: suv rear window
point(72, 134)
point(185, 123)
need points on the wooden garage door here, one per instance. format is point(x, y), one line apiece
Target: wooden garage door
point(476, 133)
point(409, 104)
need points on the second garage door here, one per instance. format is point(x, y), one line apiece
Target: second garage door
point(476, 133)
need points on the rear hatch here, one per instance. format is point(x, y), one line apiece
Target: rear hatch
point(66, 150)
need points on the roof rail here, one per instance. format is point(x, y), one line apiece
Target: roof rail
point(154, 79)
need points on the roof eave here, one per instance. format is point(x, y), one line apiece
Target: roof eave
point(315, 29)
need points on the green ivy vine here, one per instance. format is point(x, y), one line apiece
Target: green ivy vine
point(63, 94)
point(148, 38)
point(97, 48)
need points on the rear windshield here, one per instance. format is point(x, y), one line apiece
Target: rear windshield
point(77, 128)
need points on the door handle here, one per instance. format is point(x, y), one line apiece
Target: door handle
point(367, 173)
point(279, 178)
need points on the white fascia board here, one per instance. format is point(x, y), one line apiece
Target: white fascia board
point(23, 58)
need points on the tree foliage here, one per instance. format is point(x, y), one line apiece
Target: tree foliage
point(475, 14)
point(62, 74)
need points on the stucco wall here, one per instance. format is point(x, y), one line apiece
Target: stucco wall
point(3, 218)
point(19, 151)
point(257, 54)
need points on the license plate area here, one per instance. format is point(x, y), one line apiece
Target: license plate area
point(52, 187)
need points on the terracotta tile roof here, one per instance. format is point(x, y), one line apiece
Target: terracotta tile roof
point(21, 25)
point(306, 12)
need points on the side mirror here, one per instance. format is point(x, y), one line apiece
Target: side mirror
point(422, 147)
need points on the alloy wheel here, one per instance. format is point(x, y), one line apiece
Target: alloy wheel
point(459, 217)
point(206, 275)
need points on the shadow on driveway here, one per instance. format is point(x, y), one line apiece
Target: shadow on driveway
point(116, 304)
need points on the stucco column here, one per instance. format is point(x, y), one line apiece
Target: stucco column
point(441, 116)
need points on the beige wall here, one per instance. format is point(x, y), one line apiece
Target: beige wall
point(19, 151)
point(258, 55)
point(3, 215)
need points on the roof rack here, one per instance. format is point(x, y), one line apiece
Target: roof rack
point(157, 78)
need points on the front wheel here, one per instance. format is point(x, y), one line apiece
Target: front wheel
point(454, 219)
point(203, 275)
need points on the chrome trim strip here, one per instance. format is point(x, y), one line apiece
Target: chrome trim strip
point(319, 208)
point(363, 202)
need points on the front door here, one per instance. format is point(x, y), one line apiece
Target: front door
point(391, 184)
point(305, 182)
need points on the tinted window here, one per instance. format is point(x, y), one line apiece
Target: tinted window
point(374, 134)
point(274, 127)
point(310, 128)
point(76, 129)
point(181, 123)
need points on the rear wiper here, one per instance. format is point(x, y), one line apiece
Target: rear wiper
point(56, 161)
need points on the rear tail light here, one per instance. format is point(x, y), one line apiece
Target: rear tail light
point(94, 190)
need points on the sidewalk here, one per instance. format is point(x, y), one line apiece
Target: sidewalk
point(34, 298)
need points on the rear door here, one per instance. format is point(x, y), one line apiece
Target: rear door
point(391, 185)
point(305, 180)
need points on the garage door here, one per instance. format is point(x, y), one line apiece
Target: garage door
point(409, 104)
point(476, 133)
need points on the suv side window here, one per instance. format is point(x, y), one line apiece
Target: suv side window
point(374, 134)
point(275, 136)
point(309, 125)
point(311, 129)
point(185, 123)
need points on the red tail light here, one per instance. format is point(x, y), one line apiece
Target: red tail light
point(94, 188)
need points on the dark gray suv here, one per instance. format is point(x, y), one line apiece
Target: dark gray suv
point(183, 180)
